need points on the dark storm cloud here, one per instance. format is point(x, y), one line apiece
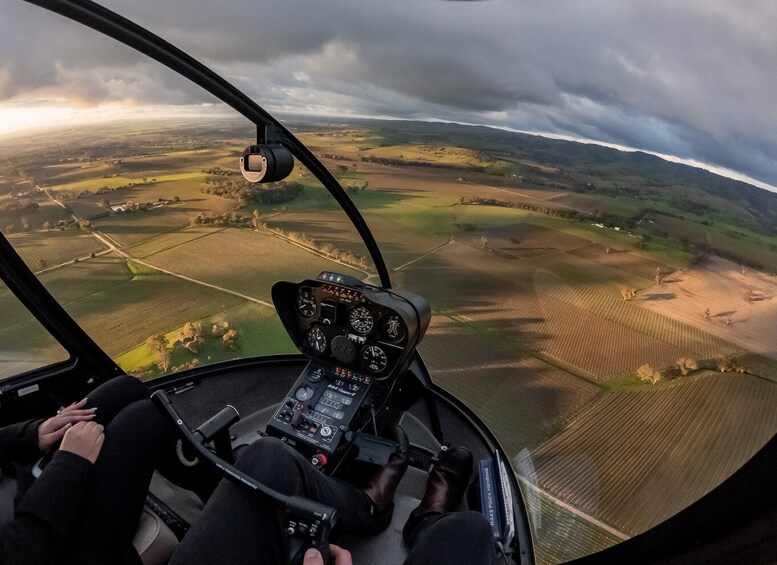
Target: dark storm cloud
point(695, 79)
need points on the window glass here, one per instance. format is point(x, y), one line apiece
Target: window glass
point(151, 239)
point(24, 344)
point(615, 338)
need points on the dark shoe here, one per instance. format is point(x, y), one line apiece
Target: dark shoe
point(382, 486)
point(446, 485)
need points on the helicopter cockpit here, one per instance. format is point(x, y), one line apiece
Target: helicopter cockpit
point(318, 281)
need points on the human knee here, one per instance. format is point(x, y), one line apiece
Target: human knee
point(471, 524)
point(272, 463)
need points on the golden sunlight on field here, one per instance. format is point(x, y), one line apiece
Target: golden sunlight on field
point(742, 303)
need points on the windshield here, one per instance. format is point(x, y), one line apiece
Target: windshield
point(599, 253)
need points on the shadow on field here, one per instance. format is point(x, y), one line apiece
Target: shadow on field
point(660, 296)
point(724, 314)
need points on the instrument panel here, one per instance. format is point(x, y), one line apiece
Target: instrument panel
point(359, 339)
point(340, 320)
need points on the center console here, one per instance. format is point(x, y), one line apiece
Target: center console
point(359, 339)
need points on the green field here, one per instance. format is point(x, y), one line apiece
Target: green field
point(249, 262)
point(47, 249)
point(259, 331)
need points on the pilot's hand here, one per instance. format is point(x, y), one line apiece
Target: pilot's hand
point(340, 555)
point(84, 439)
point(53, 429)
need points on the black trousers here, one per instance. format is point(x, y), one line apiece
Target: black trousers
point(136, 434)
point(238, 528)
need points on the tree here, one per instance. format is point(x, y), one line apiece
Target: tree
point(484, 242)
point(25, 224)
point(230, 340)
point(749, 295)
point(707, 313)
point(659, 280)
point(157, 344)
point(85, 225)
point(648, 374)
point(92, 255)
point(47, 225)
point(628, 293)
point(43, 263)
point(191, 330)
point(687, 365)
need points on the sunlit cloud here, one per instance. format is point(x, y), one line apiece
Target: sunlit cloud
point(23, 116)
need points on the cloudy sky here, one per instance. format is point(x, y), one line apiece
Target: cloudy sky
point(695, 79)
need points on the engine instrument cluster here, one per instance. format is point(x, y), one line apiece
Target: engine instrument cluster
point(359, 338)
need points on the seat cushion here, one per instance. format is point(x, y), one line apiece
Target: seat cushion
point(154, 541)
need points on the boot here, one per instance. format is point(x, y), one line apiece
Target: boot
point(383, 484)
point(446, 485)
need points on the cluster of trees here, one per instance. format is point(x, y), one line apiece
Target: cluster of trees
point(244, 192)
point(219, 172)
point(192, 337)
point(684, 366)
point(401, 162)
point(343, 255)
point(647, 373)
point(547, 210)
point(69, 195)
point(226, 334)
point(227, 218)
point(356, 187)
point(731, 364)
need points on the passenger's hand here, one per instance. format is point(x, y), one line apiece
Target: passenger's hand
point(340, 555)
point(84, 439)
point(53, 429)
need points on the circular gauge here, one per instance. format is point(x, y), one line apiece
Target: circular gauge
point(392, 327)
point(343, 349)
point(374, 358)
point(304, 393)
point(316, 340)
point(360, 320)
point(306, 304)
point(315, 375)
